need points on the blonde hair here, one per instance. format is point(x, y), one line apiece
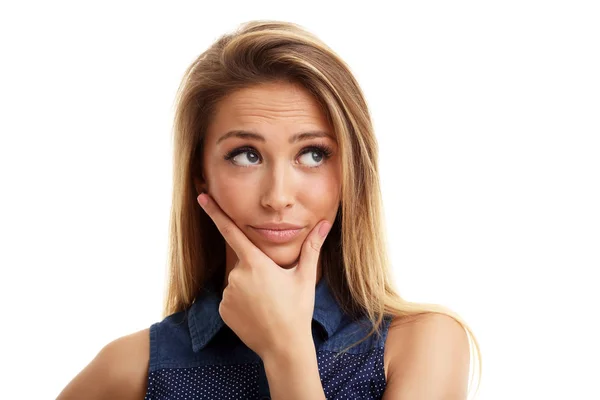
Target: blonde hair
point(354, 256)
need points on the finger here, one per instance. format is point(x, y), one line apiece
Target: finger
point(309, 256)
point(240, 244)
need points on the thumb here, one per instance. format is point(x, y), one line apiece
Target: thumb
point(309, 256)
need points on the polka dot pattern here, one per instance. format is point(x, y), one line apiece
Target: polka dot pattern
point(352, 376)
point(195, 355)
point(206, 382)
point(349, 376)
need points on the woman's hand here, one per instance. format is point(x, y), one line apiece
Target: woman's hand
point(267, 307)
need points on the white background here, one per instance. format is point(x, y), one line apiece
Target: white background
point(488, 121)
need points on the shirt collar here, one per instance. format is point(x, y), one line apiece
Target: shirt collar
point(205, 320)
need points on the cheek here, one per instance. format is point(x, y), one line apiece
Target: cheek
point(233, 194)
point(237, 193)
point(324, 195)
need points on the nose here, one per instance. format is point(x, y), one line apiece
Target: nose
point(278, 187)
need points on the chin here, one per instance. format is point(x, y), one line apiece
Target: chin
point(284, 257)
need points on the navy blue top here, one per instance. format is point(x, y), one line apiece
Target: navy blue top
point(195, 355)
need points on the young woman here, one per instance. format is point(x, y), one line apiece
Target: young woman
point(279, 275)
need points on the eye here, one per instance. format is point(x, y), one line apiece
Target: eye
point(317, 153)
point(239, 155)
point(248, 156)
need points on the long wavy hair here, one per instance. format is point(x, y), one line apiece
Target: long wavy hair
point(355, 259)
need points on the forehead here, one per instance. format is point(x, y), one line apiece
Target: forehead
point(287, 107)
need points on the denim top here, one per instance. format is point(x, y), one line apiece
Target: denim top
point(195, 355)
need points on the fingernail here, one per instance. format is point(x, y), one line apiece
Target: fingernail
point(202, 199)
point(324, 229)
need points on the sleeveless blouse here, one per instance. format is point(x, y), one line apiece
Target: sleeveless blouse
point(195, 355)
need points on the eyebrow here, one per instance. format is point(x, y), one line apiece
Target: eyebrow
point(255, 136)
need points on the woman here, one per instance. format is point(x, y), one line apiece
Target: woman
point(279, 275)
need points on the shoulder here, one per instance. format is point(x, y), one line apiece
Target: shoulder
point(129, 356)
point(429, 348)
point(119, 370)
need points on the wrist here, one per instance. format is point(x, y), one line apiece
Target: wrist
point(293, 351)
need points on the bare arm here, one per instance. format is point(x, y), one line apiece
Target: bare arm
point(294, 375)
point(430, 360)
point(118, 372)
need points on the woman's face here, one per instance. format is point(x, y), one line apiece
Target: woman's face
point(268, 174)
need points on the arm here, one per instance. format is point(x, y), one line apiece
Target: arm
point(430, 360)
point(294, 373)
point(119, 371)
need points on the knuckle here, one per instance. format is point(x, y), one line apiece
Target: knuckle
point(222, 311)
point(227, 229)
point(315, 245)
point(231, 279)
point(234, 277)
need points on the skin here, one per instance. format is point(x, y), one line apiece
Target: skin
point(282, 187)
point(275, 182)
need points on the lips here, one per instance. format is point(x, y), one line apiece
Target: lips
point(280, 226)
point(278, 235)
